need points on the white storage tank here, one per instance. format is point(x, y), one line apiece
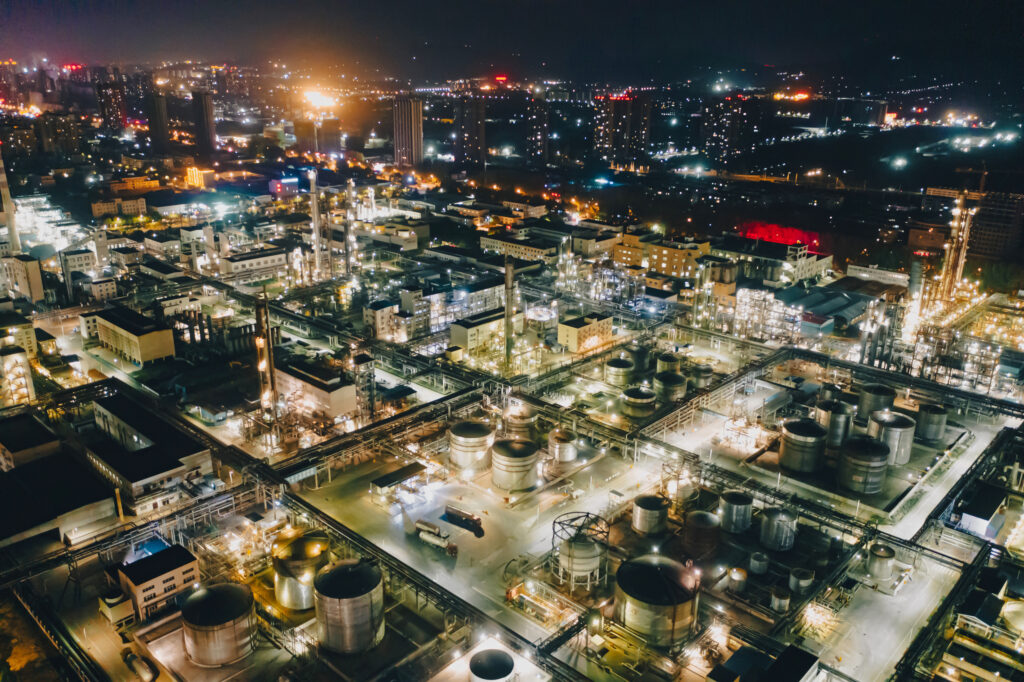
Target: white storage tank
point(778, 529)
point(297, 555)
point(880, 562)
point(562, 445)
point(650, 514)
point(701, 374)
point(803, 445)
point(468, 443)
point(872, 398)
point(737, 510)
point(655, 597)
point(581, 560)
point(514, 465)
point(931, 423)
point(638, 402)
point(618, 371)
point(895, 430)
point(520, 423)
point(349, 606)
point(219, 624)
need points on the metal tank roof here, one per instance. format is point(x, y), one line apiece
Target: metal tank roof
point(805, 427)
point(347, 579)
point(491, 664)
point(893, 419)
point(471, 429)
point(217, 604)
point(670, 378)
point(515, 449)
point(655, 579)
point(652, 502)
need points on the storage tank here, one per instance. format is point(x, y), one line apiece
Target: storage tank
point(638, 402)
point(931, 422)
point(780, 597)
point(829, 391)
point(580, 559)
point(491, 665)
point(836, 418)
point(513, 465)
point(737, 580)
point(562, 445)
point(296, 557)
point(801, 580)
point(650, 514)
point(778, 529)
point(873, 397)
point(759, 563)
point(669, 386)
point(668, 362)
point(219, 624)
point(349, 606)
point(701, 533)
point(618, 371)
point(881, 559)
point(655, 597)
point(803, 445)
point(737, 508)
point(862, 465)
point(895, 430)
point(638, 355)
point(468, 443)
point(701, 374)
point(520, 423)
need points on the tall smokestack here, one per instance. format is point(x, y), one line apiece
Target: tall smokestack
point(314, 211)
point(509, 270)
point(350, 216)
point(7, 204)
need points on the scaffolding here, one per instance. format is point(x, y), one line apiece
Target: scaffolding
point(762, 317)
point(951, 358)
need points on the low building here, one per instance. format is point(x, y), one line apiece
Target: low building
point(163, 245)
point(78, 260)
point(126, 257)
point(160, 269)
point(134, 337)
point(118, 206)
point(377, 316)
point(485, 329)
point(259, 263)
point(102, 289)
point(152, 581)
point(525, 210)
point(23, 438)
point(317, 388)
point(16, 385)
point(585, 333)
point(139, 183)
point(17, 330)
point(775, 265)
point(544, 250)
point(24, 277)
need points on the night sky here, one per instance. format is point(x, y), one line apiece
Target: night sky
point(595, 39)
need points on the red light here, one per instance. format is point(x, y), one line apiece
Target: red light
point(501, 79)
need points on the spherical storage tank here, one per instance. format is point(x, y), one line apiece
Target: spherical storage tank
point(513, 465)
point(491, 665)
point(638, 402)
point(895, 430)
point(836, 418)
point(349, 606)
point(863, 464)
point(737, 507)
point(931, 422)
point(296, 557)
point(874, 397)
point(650, 514)
point(618, 371)
point(669, 386)
point(562, 445)
point(655, 597)
point(803, 445)
point(778, 529)
point(219, 624)
point(468, 443)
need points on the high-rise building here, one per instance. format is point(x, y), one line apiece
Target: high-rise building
point(113, 105)
point(623, 127)
point(470, 141)
point(731, 126)
point(202, 122)
point(997, 230)
point(58, 133)
point(538, 122)
point(305, 136)
point(408, 115)
point(159, 125)
point(329, 140)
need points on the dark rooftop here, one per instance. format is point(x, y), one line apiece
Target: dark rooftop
point(130, 321)
point(23, 431)
point(155, 565)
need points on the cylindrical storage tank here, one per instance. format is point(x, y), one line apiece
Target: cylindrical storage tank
point(580, 557)
point(618, 371)
point(895, 430)
point(701, 533)
point(874, 397)
point(468, 443)
point(296, 558)
point(650, 514)
point(701, 375)
point(931, 422)
point(638, 402)
point(863, 464)
point(638, 355)
point(737, 580)
point(562, 445)
point(881, 559)
point(491, 665)
point(669, 386)
point(349, 606)
point(829, 392)
point(803, 445)
point(836, 418)
point(520, 423)
point(778, 529)
point(513, 465)
point(737, 508)
point(668, 362)
point(758, 563)
point(219, 624)
point(655, 597)
point(780, 597)
point(801, 580)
